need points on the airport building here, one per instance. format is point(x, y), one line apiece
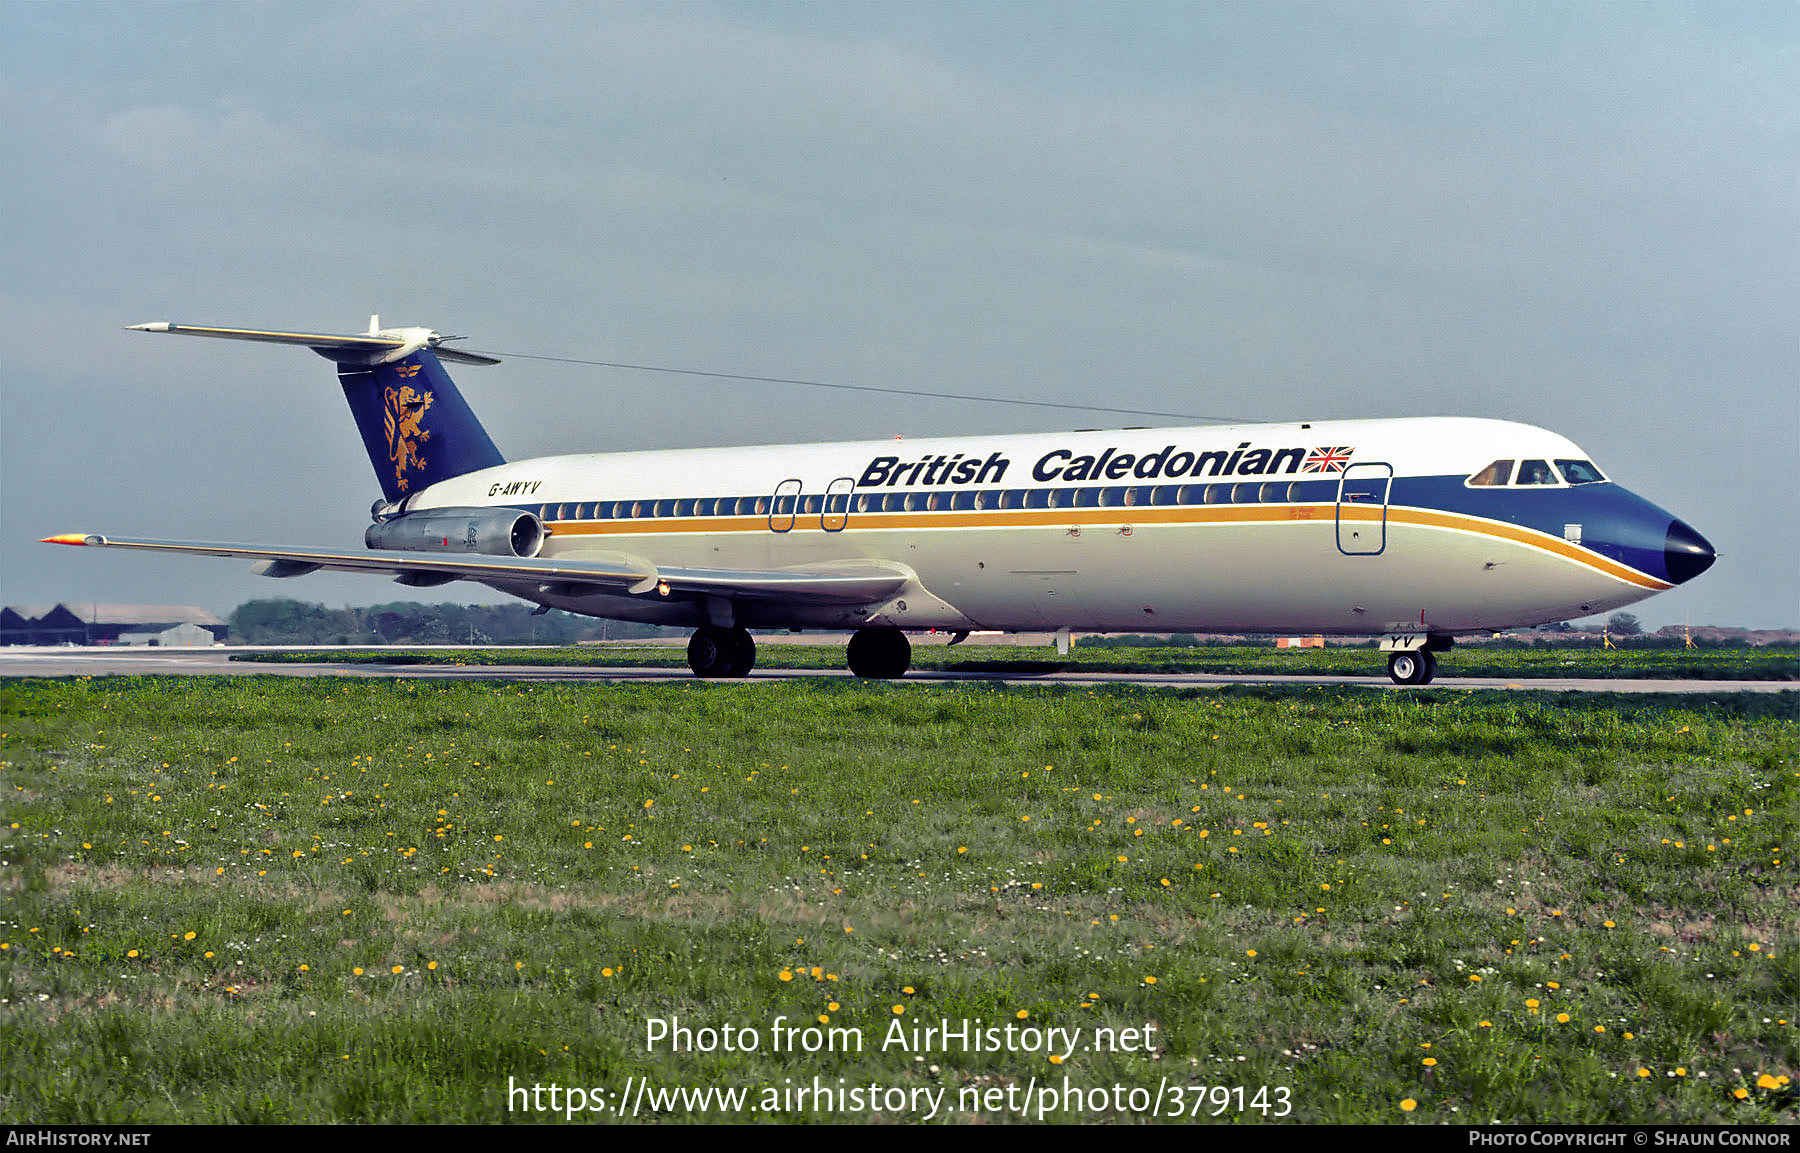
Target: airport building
point(166, 626)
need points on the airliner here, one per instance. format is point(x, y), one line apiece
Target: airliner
point(1411, 530)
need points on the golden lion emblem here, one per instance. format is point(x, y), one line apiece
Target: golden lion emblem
point(405, 411)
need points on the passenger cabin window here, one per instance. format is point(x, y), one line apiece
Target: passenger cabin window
point(1494, 474)
point(1536, 472)
point(1579, 472)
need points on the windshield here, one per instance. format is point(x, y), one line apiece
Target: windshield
point(1579, 472)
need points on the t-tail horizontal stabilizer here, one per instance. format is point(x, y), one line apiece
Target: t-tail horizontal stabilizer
point(377, 346)
point(415, 425)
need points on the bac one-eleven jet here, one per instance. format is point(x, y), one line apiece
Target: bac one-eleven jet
point(1411, 530)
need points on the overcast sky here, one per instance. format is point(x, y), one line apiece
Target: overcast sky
point(1585, 217)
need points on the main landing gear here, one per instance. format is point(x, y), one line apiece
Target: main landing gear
point(1413, 668)
point(721, 652)
point(882, 653)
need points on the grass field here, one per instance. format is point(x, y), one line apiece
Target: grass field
point(262, 899)
point(1261, 660)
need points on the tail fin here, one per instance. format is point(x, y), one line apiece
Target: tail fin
point(416, 426)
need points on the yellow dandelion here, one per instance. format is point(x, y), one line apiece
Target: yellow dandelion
point(1429, 1062)
point(1408, 1105)
point(899, 1010)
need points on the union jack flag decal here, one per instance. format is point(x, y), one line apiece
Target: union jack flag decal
point(1327, 460)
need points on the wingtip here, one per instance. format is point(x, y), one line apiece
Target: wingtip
point(153, 326)
point(77, 538)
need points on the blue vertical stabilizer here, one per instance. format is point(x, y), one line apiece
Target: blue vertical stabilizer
point(416, 425)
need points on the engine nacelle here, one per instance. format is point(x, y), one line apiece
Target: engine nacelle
point(488, 531)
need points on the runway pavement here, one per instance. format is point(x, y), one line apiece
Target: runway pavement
point(28, 661)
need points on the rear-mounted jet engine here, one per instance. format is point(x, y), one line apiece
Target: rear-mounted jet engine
point(487, 531)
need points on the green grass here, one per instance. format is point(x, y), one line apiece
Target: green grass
point(1016, 660)
point(403, 895)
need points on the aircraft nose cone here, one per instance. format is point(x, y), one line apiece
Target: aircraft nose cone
point(1686, 554)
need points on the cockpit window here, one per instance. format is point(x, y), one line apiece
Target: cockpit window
point(1536, 472)
point(1579, 472)
point(1496, 473)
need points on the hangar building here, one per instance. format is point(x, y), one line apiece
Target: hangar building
point(169, 626)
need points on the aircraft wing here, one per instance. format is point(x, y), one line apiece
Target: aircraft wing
point(852, 583)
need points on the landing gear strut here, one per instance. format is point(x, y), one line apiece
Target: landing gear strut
point(721, 652)
point(882, 653)
point(1416, 667)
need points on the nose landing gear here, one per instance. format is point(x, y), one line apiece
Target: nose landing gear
point(1412, 657)
point(1413, 668)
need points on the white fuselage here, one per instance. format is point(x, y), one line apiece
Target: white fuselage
point(1343, 527)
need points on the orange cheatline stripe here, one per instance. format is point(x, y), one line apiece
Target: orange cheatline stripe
point(1138, 514)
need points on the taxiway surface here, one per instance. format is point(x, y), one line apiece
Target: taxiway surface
point(26, 661)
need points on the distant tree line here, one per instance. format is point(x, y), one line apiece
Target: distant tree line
point(289, 622)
